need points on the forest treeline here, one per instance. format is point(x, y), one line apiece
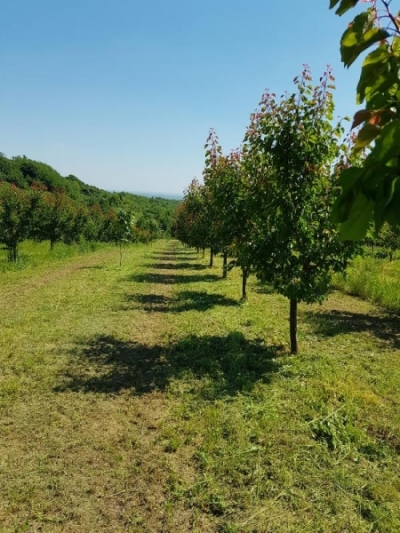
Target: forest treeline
point(36, 202)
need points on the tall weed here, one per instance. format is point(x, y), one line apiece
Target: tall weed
point(376, 280)
point(32, 254)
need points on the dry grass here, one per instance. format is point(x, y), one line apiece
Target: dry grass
point(148, 399)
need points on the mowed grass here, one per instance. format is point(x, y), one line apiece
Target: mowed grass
point(148, 398)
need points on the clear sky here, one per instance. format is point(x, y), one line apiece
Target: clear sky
point(122, 93)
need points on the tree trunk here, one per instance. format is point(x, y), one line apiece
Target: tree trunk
point(204, 252)
point(245, 275)
point(211, 264)
point(12, 253)
point(120, 254)
point(224, 265)
point(293, 326)
point(52, 243)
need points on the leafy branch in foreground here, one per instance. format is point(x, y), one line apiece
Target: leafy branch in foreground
point(371, 190)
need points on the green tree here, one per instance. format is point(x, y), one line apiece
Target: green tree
point(15, 217)
point(229, 191)
point(57, 213)
point(10, 172)
point(217, 176)
point(150, 225)
point(389, 239)
point(294, 144)
point(120, 228)
point(94, 227)
point(191, 223)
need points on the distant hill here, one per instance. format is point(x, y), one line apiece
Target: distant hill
point(24, 172)
point(163, 195)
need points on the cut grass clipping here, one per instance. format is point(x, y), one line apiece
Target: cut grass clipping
point(147, 398)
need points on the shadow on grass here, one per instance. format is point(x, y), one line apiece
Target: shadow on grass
point(191, 256)
point(264, 289)
point(170, 279)
point(215, 366)
point(174, 258)
point(331, 323)
point(184, 301)
point(176, 266)
point(150, 300)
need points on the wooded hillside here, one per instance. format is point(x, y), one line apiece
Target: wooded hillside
point(24, 172)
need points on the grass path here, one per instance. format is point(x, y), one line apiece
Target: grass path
point(147, 398)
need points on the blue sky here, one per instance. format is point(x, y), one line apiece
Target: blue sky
point(122, 93)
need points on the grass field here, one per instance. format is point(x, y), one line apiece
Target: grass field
point(148, 398)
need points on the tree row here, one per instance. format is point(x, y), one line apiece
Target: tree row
point(41, 215)
point(267, 206)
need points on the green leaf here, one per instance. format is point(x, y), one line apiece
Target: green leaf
point(344, 6)
point(374, 66)
point(384, 195)
point(396, 45)
point(380, 100)
point(378, 55)
point(387, 145)
point(350, 180)
point(381, 85)
point(392, 211)
point(358, 221)
point(359, 36)
point(349, 177)
point(365, 136)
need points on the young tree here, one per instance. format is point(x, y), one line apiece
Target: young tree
point(15, 217)
point(179, 226)
point(294, 144)
point(81, 217)
point(120, 227)
point(150, 226)
point(389, 239)
point(372, 190)
point(191, 223)
point(94, 227)
point(215, 172)
point(229, 191)
point(57, 212)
